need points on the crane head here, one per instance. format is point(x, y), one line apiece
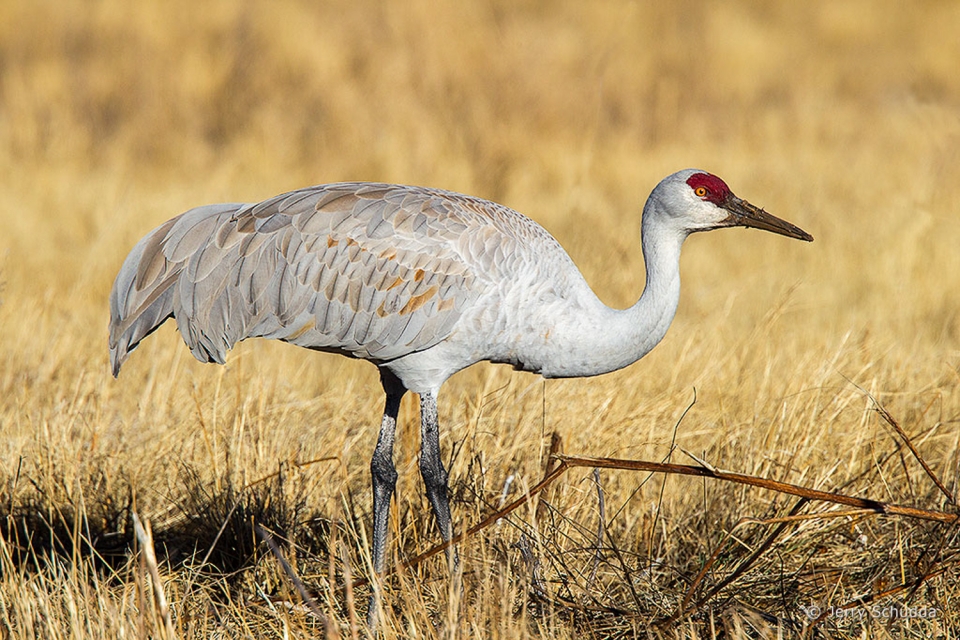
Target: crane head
point(700, 201)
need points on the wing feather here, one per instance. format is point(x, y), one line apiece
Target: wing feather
point(370, 270)
point(187, 236)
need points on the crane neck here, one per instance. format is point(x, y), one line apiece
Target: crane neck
point(643, 325)
point(607, 339)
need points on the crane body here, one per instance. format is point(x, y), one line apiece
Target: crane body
point(421, 282)
point(423, 305)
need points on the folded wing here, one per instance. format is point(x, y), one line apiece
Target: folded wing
point(371, 271)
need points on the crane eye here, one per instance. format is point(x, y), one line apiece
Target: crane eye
point(701, 192)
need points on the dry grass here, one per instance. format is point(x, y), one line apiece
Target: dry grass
point(839, 116)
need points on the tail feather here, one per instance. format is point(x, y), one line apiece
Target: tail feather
point(144, 293)
point(138, 307)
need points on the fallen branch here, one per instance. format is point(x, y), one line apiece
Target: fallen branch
point(875, 506)
point(571, 462)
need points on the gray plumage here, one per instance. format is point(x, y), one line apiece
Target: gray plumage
point(372, 271)
point(421, 282)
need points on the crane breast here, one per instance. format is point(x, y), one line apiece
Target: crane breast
point(369, 270)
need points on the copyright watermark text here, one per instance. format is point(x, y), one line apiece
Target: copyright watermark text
point(877, 611)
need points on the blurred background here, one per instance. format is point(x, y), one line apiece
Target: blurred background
point(841, 116)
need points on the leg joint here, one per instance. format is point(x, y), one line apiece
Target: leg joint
point(382, 470)
point(433, 473)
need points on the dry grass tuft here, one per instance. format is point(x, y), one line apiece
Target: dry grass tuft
point(834, 367)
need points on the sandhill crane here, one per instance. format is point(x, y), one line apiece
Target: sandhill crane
point(420, 282)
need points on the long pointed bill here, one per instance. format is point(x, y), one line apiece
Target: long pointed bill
point(744, 214)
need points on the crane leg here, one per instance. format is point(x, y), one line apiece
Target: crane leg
point(434, 475)
point(384, 482)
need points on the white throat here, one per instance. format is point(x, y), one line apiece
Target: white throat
point(603, 339)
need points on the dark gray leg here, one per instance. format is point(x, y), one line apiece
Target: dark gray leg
point(384, 481)
point(431, 468)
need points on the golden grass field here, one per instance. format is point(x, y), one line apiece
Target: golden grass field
point(842, 117)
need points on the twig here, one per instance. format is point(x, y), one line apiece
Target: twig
point(297, 465)
point(627, 573)
point(889, 419)
point(348, 588)
point(505, 491)
point(264, 535)
point(598, 555)
point(875, 506)
point(700, 461)
point(736, 573)
point(332, 545)
point(912, 585)
point(663, 482)
point(549, 465)
point(145, 537)
point(533, 566)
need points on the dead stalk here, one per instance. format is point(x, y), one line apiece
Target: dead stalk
point(736, 573)
point(311, 604)
point(889, 419)
point(601, 518)
point(144, 535)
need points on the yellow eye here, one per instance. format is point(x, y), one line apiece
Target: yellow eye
point(700, 191)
